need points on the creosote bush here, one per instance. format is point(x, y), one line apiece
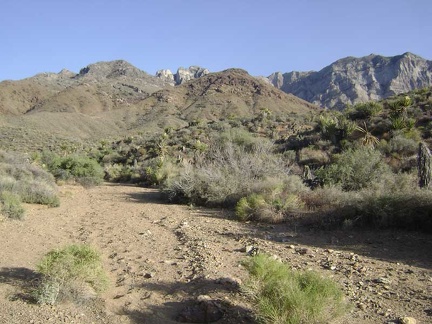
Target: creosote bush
point(289, 296)
point(354, 169)
point(69, 273)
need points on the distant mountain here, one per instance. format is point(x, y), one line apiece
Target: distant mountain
point(111, 98)
point(98, 87)
point(352, 80)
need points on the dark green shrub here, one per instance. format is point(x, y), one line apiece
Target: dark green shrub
point(366, 110)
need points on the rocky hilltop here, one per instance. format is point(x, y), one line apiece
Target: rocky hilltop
point(182, 75)
point(352, 80)
point(97, 87)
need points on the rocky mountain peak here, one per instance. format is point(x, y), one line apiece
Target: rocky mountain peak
point(182, 75)
point(111, 69)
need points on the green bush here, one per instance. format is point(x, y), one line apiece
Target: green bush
point(272, 206)
point(366, 110)
point(78, 168)
point(67, 271)
point(354, 169)
point(11, 205)
point(250, 207)
point(282, 295)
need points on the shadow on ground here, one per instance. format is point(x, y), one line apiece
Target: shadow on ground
point(23, 279)
point(198, 301)
point(409, 247)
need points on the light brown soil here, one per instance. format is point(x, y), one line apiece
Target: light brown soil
point(161, 257)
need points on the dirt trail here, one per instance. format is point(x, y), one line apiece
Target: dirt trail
point(161, 258)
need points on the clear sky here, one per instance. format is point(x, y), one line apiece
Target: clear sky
point(260, 36)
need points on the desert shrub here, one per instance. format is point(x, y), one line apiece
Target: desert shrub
point(354, 169)
point(30, 182)
point(282, 295)
point(393, 202)
point(37, 192)
point(227, 172)
point(402, 145)
point(272, 206)
point(312, 156)
point(157, 171)
point(366, 110)
point(77, 168)
point(11, 205)
point(68, 272)
point(249, 207)
point(403, 210)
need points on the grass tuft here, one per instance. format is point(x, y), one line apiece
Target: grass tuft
point(282, 295)
point(70, 272)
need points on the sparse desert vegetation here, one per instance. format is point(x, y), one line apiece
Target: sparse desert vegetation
point(266, 170)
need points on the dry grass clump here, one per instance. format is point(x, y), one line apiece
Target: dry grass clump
point(74, 272)
point(282, 295)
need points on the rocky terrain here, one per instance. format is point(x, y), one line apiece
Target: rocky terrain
point(167, 262)
point(352, 80)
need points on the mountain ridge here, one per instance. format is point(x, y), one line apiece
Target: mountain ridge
point(352, 80)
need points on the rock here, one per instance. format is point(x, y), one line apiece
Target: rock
point(165, 75)
point(149, 275)
point(302, 251)
point(251, 250)
point(382, 280)
point(193, 72)
point(407, 320)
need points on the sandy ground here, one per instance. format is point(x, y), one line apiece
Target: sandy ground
point(162, 258)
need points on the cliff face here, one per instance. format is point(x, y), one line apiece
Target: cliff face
point(352, 80)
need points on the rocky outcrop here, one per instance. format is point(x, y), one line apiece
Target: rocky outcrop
point(352, 80)
point(182, 75)
point(165, 75)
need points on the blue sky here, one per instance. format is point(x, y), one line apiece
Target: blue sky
point(259, 36)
